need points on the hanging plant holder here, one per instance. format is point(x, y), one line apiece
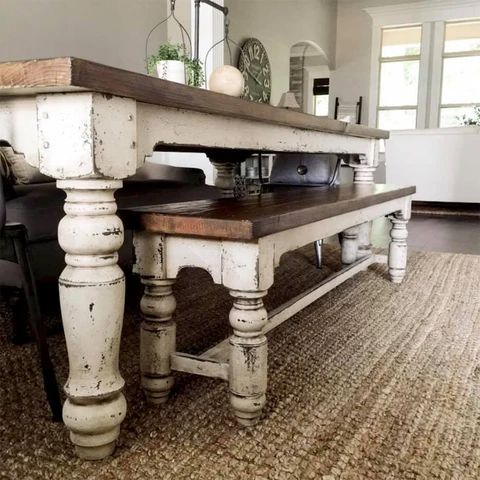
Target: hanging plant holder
point(174, 62)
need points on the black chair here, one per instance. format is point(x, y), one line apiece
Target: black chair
point(305, 170)
point(14, 248)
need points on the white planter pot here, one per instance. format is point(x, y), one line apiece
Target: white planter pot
point(173, 70)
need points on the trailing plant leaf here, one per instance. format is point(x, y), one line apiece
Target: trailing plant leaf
point(195, 76)
point(167, 51)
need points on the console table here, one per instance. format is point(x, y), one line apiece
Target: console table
point(89, 126)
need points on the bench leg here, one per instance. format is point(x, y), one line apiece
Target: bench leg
point(364, 175)
point(248, 356)
point(157, 339)
point(349, 240)
point(397, 253)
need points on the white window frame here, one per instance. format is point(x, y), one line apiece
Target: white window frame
point(405, 58)
point(432, 15)
point(467, 53)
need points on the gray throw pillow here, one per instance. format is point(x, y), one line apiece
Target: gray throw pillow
point(21, 171)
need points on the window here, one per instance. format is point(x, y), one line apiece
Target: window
point(321, 88)
point(399, 77)
point(425, 64)
point(461, 72)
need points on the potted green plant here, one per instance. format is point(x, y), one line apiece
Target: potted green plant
point(172, 63)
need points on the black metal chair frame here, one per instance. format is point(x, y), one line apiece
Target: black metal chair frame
point(14, 248)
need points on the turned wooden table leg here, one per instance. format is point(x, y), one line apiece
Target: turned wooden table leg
point(157, 339)
point(397, 253)
point(158, 329)
point(364, 175)
point(248, 356)
point(349, 240)
point(92, 294)
point(225, 180)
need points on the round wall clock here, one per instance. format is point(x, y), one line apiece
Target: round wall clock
point(255, 67)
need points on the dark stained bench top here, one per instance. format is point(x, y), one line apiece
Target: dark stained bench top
point(255, 217)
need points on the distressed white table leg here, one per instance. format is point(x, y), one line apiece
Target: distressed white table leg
point(248, 356)
point(92, 295)
point(397, 253)
point(157, 339)
point(158, 329)
point(349, 245)
point(364, 175)
point(225, 180)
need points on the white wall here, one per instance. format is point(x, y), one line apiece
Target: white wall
point(107, 31)
point(351, 77)
point(279, 24)
point(442, 163)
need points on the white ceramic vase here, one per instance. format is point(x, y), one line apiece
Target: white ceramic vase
point(172, 70)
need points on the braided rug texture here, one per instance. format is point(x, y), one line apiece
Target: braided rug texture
point(373, 381)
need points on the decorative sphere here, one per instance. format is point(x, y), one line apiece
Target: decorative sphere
point(227, 80)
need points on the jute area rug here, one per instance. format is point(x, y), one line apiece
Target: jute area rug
point(373, 381)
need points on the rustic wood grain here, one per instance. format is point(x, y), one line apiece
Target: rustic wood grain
point(254, 217)
point(70, 74)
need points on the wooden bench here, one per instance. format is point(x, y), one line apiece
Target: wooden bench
point(240, 243)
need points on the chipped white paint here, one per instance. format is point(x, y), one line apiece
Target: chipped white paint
point(247, 270)
point(158, 329)
point(276, 317)
point(397, 253)
point(176, 126)
point(92, 294)
point(363, 174)
point(89, 142)
point(224, 179)
point(183, 362)
point(349, 245)
point(93, 130)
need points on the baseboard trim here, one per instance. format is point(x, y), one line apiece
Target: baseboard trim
point(446, 209)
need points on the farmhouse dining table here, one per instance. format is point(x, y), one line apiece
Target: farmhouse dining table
point(89, 126)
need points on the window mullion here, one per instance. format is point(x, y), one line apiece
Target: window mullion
point(424, 75)
point(436, 74)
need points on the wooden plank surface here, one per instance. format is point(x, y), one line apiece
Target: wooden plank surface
point(254, 217)
point(71, 74)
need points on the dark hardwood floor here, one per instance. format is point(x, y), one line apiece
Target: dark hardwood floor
point(436, 234)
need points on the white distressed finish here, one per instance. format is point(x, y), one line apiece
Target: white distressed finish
point(92, 295)
point(224, 179)
point(276, 317)
point(157, 333)
point(363, 174)
point(207, 367)
point(247, 270)
point(397, 253)
point(89, 142)
point(349, 245)
point(170, 126)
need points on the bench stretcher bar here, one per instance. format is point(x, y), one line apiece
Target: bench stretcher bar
point(214, 362)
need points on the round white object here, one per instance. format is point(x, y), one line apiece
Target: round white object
point(227, 80)
point(172, 70)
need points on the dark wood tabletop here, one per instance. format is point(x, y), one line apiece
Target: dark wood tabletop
point(68, 74)
point(257, 216)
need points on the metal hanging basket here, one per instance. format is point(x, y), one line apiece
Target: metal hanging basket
point(183, 31)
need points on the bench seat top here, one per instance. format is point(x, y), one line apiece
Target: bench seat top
point(254, 217)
